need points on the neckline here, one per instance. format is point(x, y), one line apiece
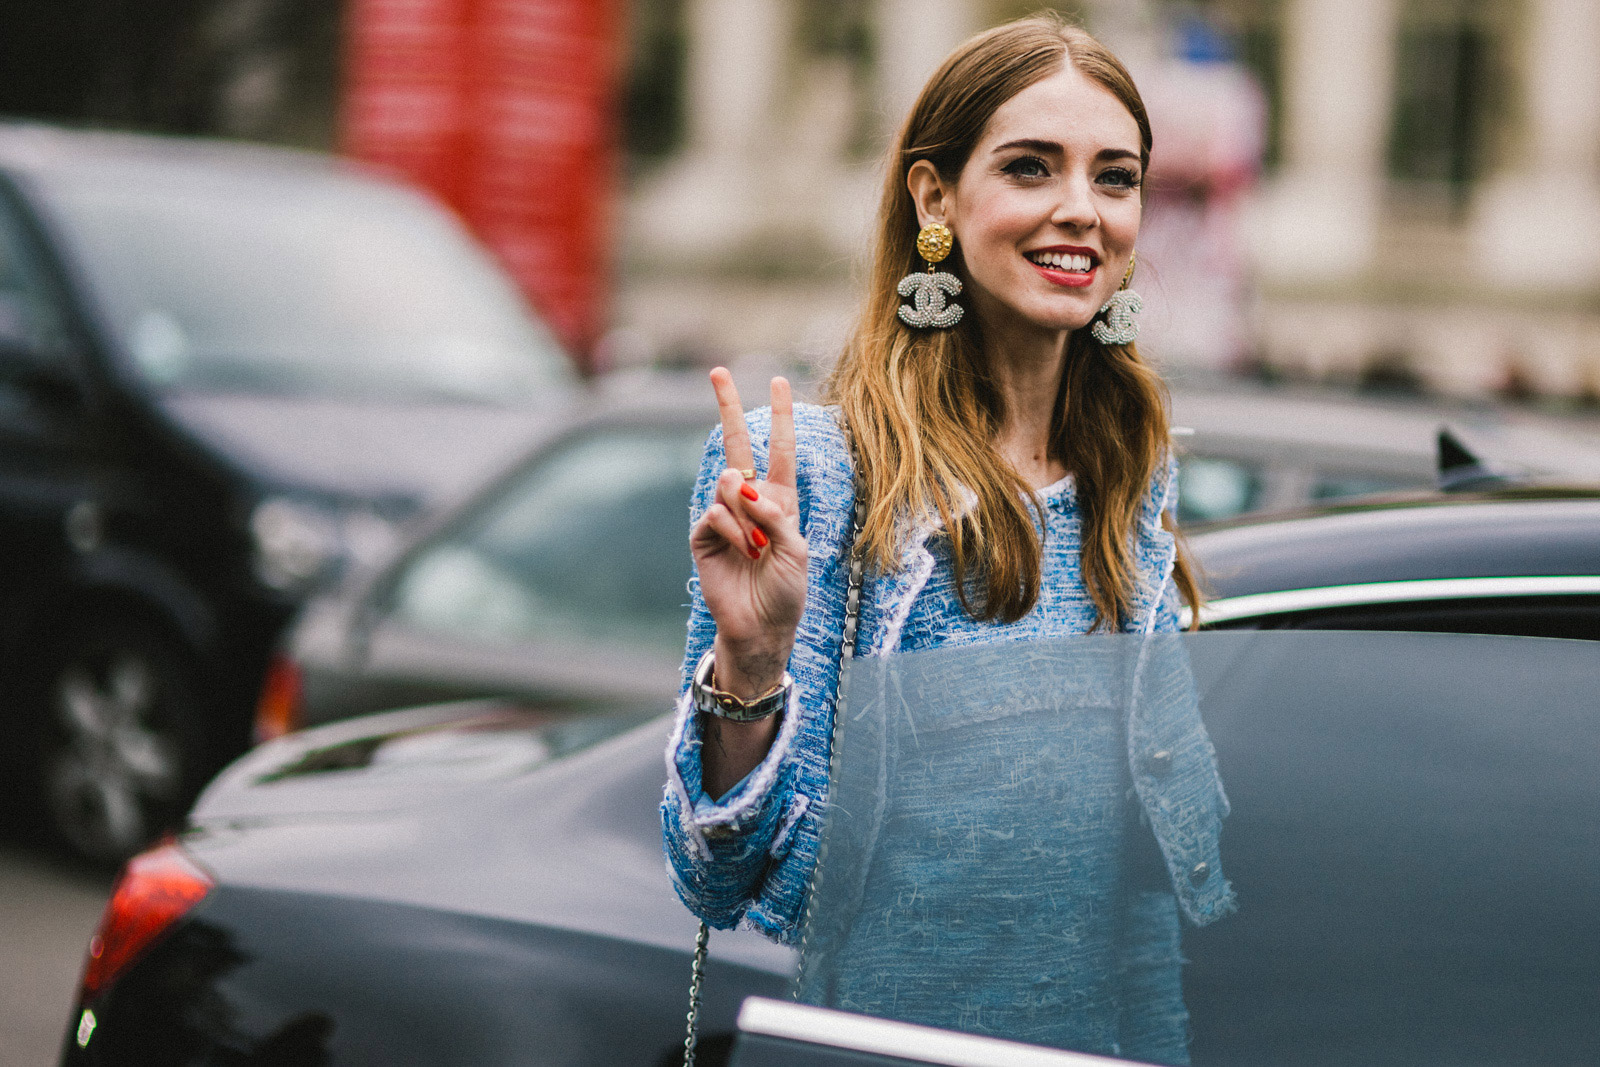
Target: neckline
point(1056, 489)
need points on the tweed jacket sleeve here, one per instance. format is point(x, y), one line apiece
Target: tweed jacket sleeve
point(724, 853)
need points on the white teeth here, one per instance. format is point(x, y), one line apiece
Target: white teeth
point(1062, 261)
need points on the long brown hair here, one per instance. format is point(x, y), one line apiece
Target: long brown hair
point(921, 406)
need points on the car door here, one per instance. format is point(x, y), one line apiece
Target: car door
point(568, 583)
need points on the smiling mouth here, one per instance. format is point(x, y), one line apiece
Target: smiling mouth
point(1065, 262)
point(1072, 270)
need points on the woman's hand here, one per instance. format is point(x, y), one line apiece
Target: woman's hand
point(748, 549)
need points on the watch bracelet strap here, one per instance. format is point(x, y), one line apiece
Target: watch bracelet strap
point(705, 697)
point(847, 652)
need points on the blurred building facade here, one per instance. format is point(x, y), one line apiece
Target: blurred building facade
point(1426, 213)
point(1433, 212)
point(1428, 216)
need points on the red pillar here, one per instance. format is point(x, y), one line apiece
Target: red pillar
point(505, 109)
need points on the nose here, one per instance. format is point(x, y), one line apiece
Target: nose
point(1075, 208)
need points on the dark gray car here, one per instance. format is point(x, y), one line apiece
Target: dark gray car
point(564, 582)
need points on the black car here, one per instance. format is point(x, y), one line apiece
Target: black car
point(227, 373)
point(1412, 839)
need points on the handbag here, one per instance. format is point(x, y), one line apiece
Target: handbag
point(847, 650)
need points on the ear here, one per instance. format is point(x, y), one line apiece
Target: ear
point(933, 197)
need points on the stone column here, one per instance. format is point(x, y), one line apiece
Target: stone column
point(715, 195)
point(1319, 218)
point(1537, 222)
point(737, 57)
point(913, 37)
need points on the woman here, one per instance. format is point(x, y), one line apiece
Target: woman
point(1017, 473)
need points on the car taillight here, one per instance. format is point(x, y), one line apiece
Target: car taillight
point(155, 890)
point(278, 710)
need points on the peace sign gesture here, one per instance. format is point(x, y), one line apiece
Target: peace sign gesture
point(748, 550)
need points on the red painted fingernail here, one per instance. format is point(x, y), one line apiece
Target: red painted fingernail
point(753, 553)
point(748, 493)
point(758, 537)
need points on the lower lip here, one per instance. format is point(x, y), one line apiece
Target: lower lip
point(1070, 279)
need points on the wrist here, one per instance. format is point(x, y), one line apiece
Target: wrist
point(749, 669)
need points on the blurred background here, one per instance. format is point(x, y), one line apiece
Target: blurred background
point(1391, 202)
point(1388, 194)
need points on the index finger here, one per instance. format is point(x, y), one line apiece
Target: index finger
point(780, 458)
point(735, 432)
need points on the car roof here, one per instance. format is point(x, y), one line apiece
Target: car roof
point(42, 152)
point(1399, 436)
point(1517, 531)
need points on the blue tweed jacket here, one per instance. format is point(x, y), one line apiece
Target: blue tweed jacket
point(748, 856)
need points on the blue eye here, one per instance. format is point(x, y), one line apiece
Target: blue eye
point(1121, 177)
point(1027, 167)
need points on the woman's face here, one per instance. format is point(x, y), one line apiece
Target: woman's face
point(1046, 210)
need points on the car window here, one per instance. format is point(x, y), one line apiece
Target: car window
point(1211, 488)
point(1335, 486)
point(1295, 848)
point(590, 543)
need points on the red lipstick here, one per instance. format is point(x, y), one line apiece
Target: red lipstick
point(1069, 279)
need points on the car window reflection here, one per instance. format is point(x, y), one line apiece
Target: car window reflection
point(1027, 841)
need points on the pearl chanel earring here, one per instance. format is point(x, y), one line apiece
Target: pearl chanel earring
point(929, 289)
point(1119, 328)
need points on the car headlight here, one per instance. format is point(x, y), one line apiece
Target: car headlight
point(300, 544)
point(296, 543)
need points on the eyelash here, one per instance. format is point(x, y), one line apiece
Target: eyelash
point(1125, 178)
point(1014, 168)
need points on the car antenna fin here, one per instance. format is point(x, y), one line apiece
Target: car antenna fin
point(1460, 468)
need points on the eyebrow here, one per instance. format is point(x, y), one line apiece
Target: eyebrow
point(1036, 145)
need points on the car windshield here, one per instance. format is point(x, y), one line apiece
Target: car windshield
point(1023, 841)
point(284, 282)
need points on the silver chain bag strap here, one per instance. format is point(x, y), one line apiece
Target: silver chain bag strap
point(847, 651)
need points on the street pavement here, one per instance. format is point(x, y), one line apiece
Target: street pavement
point(48, 909)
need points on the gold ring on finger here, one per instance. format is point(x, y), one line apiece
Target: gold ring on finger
point(747, 473)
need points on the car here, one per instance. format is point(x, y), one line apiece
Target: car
point(481, 881)
point(564, 580)
point(477, 885)
point(227, 373)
